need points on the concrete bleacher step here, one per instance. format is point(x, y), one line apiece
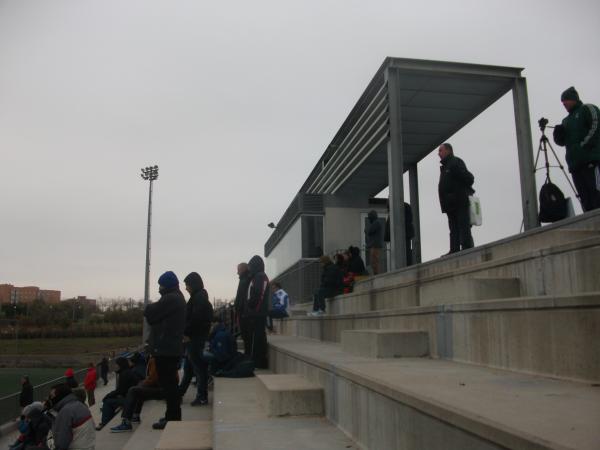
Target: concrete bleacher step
point(241, 423)
point(453, 290)
point(429, 404)
point(289, 395)
point(386, 343)
point(186, 435)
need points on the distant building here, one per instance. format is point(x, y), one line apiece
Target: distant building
point(82, 300)
point(27, 294)
point(50, 296)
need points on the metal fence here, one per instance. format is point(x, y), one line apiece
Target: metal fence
point(301, 280)
point(227, 314)
point(9, 405)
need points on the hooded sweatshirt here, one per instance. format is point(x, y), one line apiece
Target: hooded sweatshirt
point(73, 426)
point(257, 303)
point(199, 311)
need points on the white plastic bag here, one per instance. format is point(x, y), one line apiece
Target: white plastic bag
point(475, 210)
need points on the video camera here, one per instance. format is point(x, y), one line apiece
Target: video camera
point(542, 123)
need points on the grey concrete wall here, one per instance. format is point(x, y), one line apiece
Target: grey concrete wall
point(374, 420)
point(550, 336)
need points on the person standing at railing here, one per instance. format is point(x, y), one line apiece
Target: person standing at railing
point(26, 397)
point(89, 383)
point(104, 370)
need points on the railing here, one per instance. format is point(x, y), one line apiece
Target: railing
point(227, 315)
point(9, 405)
point(301, 280)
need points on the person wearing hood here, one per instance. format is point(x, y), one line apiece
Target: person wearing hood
point(104, 370)
point(26, 396)
point(198, 317)
point(256, 310)
point(580, 133)
point(374, 240)
point(73, 426)
point(244, 322)
point(126, 378)
point(166, 318)
point(356, 264)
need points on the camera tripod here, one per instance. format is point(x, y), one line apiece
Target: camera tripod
point(543, 148)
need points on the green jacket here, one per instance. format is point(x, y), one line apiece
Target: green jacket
point(581, 136)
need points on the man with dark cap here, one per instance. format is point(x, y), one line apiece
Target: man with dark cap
point(241, 296)
point(580, 133)
point(256, 309)
point(166, 318)
point(198, 318)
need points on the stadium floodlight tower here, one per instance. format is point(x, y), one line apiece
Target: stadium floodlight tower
point(149, 173)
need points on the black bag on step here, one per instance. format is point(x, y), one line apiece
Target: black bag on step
point(553, 205)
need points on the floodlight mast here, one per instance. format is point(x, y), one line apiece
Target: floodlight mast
point(149, 173)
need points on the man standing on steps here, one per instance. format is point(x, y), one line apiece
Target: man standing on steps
point(580, 133)
point(454, 189)
point(198, 320)
point(166, 318)
point(240, 304)
point(256, 310)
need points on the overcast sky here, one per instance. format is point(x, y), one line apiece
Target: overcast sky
point(236, 101)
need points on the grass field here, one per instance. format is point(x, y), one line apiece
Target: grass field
point(66, 346)
point(10, 379)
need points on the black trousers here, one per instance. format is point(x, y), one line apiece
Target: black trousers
point(135, 398)
point(257, 340)
point(587, 183)
point(459, 223)
point(166, 368)
point(246, 327)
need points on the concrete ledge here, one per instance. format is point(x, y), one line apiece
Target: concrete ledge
point(289, 395)
point(186, 435)
point(431, 404)
point(385, 343)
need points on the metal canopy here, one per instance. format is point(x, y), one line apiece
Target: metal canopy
point(436, 100)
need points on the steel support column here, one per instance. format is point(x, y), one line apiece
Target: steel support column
point(395, 172)
point(413, 183)
point(525, 148)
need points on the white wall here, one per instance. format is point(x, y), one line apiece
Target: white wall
point(287, 252)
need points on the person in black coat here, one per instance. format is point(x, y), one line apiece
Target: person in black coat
point(332, 284)
point(198, 318)
point(104, 370)
point(26, 396)
point(244, 322)
point(256, 309)
point(454, 189)
point(356, 265)
point(126, 378)
point(166, 318)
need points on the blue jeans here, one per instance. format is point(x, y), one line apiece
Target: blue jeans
point(195, 365)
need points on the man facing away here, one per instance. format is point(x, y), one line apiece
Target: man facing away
point(166, 318)
point(580, 133)
point(454, 189)
point(256, 309)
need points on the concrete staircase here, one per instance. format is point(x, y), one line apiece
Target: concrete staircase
point(495, 347)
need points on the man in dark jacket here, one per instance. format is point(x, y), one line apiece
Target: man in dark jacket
point(126, 378)
point(580, 133)
point(332, 284)
point(241, 296)
point(374, 240)
point(454, 189)
point(166, 318)
point(198, 318)
point(255, 309)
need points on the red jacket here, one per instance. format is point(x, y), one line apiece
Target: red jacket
point(90, 379)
